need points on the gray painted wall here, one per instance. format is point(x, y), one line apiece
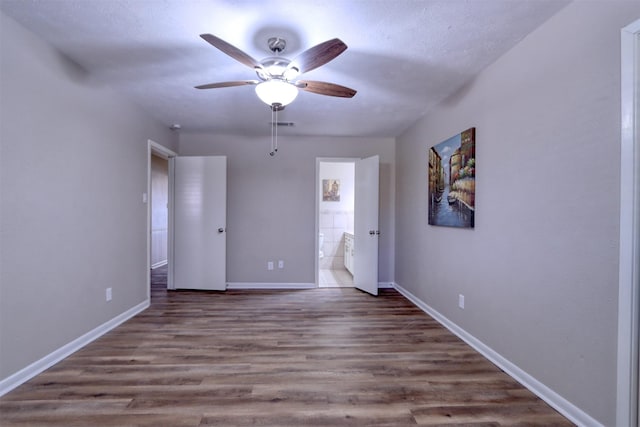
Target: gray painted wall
point(271, 201)
point(73, 167)
point(540, 270)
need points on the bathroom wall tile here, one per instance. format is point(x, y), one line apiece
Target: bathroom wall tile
point(340, 220)
point(350, 222)
point(333, 224)
point(326, 220)
point(326, 262)
point(337, 236)
point(327, 249)
point(334, 249)
point(328, 234)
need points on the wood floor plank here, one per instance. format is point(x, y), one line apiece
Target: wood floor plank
point(320, 357)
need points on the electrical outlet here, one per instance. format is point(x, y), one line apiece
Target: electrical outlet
point(108, 294)
point(461, 301)
point(281, 264)
point(270, 265)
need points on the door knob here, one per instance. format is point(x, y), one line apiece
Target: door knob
point(377, 232)
point(371, 232)
point(220, 230)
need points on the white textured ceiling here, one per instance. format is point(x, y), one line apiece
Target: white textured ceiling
point(404, 56)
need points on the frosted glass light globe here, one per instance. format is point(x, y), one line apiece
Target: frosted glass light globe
point(276, 91)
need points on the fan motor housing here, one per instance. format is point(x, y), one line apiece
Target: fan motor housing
point(274, 66)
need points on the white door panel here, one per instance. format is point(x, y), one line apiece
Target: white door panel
point(365, 275)
point(199, 222)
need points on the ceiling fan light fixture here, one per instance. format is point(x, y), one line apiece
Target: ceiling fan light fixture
point(276, 91)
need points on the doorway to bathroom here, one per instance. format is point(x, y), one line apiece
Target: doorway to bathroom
point(335, 219)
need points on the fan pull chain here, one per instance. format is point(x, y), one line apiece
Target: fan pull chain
point(275, 125)
point(274, 129)
point(273, 112)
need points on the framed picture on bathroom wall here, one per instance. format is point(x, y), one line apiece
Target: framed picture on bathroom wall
point(330, 190)
point(452, 181)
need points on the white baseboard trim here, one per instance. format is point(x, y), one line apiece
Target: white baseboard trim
point(254, 285)
point(159, 264)
point(25, 374)
point(559, 403)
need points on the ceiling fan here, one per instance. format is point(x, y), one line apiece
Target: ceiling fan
point(277, 85)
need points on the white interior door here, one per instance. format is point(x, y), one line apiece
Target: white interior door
point(198, 223)
point(365, 275)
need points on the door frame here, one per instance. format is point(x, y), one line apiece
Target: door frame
point(160, 151)
point(317, 207)
point(629, 262)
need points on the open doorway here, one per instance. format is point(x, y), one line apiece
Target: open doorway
point(159, 205)
point(336, 189)
point(158, 190)
point(159, 199)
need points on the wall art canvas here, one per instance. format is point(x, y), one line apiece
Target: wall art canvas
point(452, 181)
point(330, 190)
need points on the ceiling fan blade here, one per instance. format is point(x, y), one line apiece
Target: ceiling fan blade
point(231, 50)
point(318, 55)
point(228, 84)
point(324, 88)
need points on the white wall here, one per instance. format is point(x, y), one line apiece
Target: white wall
point(271, 201)
point(159, 210)
point(336, 217)
point(73, 167)
point(540, 270)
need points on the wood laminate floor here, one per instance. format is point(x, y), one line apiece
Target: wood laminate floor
point(321, 357)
